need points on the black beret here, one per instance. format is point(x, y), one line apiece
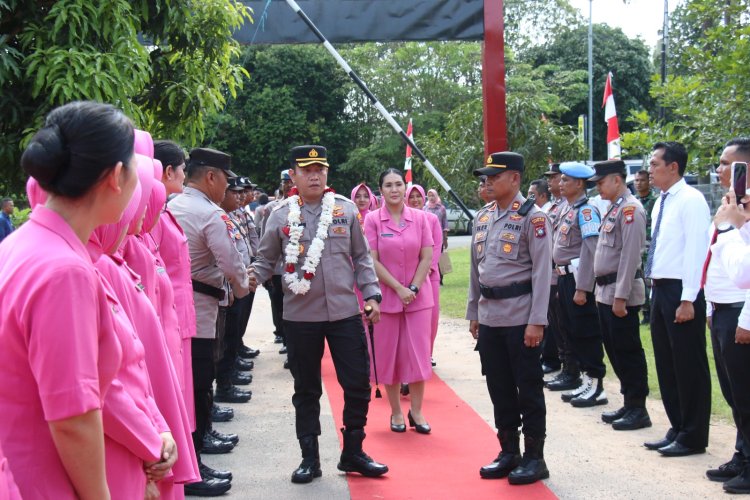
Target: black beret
point(211, 158)
point(604, 168)
point(304, 156)
point(500, 162)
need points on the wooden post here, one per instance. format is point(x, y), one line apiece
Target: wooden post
point(493, 79)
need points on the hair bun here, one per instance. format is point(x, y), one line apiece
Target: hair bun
point(46, 156)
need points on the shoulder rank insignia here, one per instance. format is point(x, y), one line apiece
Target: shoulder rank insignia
point(516, 205)
point(338, 211)
point(484, 218)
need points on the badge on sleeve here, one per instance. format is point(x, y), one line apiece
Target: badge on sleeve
point(586, 212)
point(540, 231)
point(629, 214)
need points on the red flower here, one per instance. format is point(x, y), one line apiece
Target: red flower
point(293, 192)
point(290, 268)
point(285, 230)
point(329, 189)
point(308, 276)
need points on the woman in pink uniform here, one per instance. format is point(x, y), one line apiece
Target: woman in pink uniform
point(415, 199)
point(60, 352)
point(364, 199)
point(401, 244)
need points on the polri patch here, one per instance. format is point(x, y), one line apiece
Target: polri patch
point(586, 212)
point(540, 230)
point(629, 214)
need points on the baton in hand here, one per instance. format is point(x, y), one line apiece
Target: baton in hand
point(371, 328)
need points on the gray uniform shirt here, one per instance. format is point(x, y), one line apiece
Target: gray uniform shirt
point(240, 238)
point(575, 238)
point(213, 255)
point(622, 236)
point(345, 260)
point(553, 214)
point(510, 248)
point(270, 207)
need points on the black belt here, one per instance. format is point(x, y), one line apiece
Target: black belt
point(610, 278)
point(732, 305)
point(563, 270)
point(505, 292)
point(206, 289)
point(665, 281)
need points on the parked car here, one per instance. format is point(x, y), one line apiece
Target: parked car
point(458, 222)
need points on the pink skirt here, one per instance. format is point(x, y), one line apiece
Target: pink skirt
point(402, 347)
point(435, 311)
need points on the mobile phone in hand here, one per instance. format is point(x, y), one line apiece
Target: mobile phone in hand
point(739, 179)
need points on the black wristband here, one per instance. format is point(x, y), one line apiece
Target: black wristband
point(377, 298)
point(414, 288)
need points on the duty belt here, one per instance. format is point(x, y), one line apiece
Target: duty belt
point(610, 278)
point(563, 270)
point(207, 289)
point(505, 292)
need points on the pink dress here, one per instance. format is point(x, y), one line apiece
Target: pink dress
point(8, 488)
point(60, 352)
point(173, 248)
point(361, 218)
point(402, 337)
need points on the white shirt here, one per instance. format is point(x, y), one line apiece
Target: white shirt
point(733, 250)
point(719, 287)
point(682, 242)
point(545, 208)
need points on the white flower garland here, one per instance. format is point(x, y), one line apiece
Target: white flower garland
point(292, 252)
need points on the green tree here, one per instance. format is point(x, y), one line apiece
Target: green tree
point(627, 59)
point(707, 93)
point(296, 95)
point(53, 52)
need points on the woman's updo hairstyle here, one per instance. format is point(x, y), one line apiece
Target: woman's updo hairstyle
point(389, 172)
point(79, 143)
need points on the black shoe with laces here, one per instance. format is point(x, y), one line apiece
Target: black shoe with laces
point(726, 471)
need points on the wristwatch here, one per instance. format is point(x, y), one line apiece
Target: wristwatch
point(414, 288)
point(724, 227)
point(377, 298)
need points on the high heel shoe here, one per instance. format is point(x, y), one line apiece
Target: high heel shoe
point(420, 428)
point(397, 427)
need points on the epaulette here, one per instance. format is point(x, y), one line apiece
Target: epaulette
point(279, 204)
point(581, 203)
point(342, 197)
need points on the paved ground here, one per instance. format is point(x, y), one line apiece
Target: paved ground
point(585, 457)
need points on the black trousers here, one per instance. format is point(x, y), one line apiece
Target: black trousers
point(733, 370)
point(232, 341)
point(554, 346)
point(203, 380)
point(276, 293)
point(245, 318)
point(514, 379)
point(348, 344)
point(622, 341)
point(681, 364)
point(581, 327)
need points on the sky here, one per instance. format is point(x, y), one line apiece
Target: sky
point(642, 18)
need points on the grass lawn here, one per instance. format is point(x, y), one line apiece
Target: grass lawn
point(453, 304)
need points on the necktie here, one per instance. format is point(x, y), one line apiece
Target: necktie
point(654, 236)
point(708, 258)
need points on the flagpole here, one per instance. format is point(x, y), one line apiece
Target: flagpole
point(381, 109)
point(591, 85)
point(407, 161)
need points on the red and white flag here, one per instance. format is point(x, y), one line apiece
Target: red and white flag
point(610, 116)
point(407, 162)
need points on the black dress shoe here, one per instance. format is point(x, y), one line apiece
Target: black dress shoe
point(221, 414)
point(397, 427)
point(676, 449)
point(634, 418)
point(283, 350)
point(420, 428)
point(208, 487)
point(564, 383)
point(231, 438)
point(286, 364)
point(212, 446)
point(278, 340)
point(501, 466)
point(248, 352)
point(726, 471)
point(655, 445)
point(232, 394)
point(216, 474)
point(244, 365)
point(610, 416)
point(241, 378)
point(740, 483)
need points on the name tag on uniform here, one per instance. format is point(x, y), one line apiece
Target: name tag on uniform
point(386, 235)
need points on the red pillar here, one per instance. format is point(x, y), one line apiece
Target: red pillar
point(493, 78)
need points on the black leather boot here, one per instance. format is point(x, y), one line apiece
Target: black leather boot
point(532, 467)
point(309, 468)
point(507, 460)
point(353, 459)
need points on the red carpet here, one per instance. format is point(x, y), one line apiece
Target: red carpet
point(442, 465)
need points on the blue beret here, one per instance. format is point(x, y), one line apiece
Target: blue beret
point(576, 170)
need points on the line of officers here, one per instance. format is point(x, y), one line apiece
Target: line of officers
point(573, 271)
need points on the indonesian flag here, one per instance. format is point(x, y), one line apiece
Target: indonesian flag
point(610, 116)
point(407, 162)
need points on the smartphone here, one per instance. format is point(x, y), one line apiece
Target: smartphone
point(739, 179)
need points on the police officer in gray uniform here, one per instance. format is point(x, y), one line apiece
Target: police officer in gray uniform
point(620, 292)
point(244, 214)
point(573, 254)
point(216, 267)
point(507, 310)
point(317, 236)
